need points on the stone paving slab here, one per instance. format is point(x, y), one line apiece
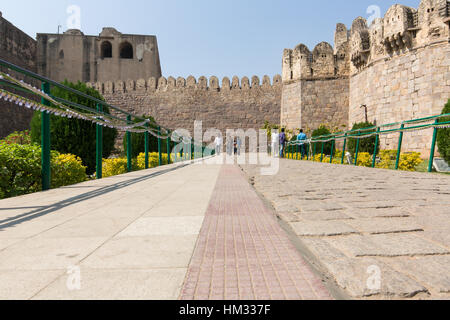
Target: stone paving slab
point(322, 228)
point(401, 222)
point(243, 253)
point(118, 231)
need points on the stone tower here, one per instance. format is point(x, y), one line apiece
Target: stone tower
point(110, 56)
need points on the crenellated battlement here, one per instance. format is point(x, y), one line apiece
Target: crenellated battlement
point(402, 29)
point(191, 83)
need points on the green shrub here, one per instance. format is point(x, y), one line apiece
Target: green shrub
point(364, 159)
point(138, 142)
point(20, 169)
point(409, 161)
point(366, 144)
point(322, 131)
point(443, 138)
point(75, 136)
point(18, 137)
point(67, 169)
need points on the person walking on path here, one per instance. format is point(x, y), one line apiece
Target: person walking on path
point(302, 147)
point(282, 142)
point(218, 143)
point(238, 145)
point(274, 144)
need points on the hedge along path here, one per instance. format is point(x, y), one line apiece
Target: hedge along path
point(436, 122)
point(63, 108)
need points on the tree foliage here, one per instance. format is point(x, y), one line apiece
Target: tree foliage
point(443, 137)
point(75, 136)
point(322, 131)
point(138, 142)
point(366, 144)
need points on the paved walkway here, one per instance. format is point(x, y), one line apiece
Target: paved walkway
point(243, 253)
point(125, 237)
point(376, 233)
point(133, 237)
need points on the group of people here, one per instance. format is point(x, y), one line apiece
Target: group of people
point(282, 140)
point(233, 146)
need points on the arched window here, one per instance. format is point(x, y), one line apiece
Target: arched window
point(126, 51)
point(106, 49)
point(61, 54)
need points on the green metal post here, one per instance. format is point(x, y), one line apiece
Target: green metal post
point(377, 141)
point(99, 144)
point(147, 138)
point(433, 148)
point(168, 151)
point(332, 149)
point(357, 151)
point(400, 141)
point(321, 155)
point(45, 142)
point(296, 152)
point(129, 148)
point(343, 151)
point(314, 152)
point(159, 147)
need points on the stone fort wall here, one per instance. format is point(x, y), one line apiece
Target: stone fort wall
point(399, 67)
point(19, 49)
point(405, 71)
point(177, 103)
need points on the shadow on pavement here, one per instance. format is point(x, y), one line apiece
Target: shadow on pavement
point(44, 210)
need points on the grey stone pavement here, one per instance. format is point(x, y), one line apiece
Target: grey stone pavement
point(125, 237)
point(373, 233)
point(161, 233)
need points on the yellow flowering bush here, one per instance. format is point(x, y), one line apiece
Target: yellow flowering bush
point(364, 159)
point(387, 157)
point(117, 166)
point(153, 160)
point(67, 169)
point(114, 167)
point(20, 169)
point(409, 161)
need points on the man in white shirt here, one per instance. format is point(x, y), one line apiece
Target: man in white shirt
point(218, 143)
point(275, 143)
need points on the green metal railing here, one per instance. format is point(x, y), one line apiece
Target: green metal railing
point(433, 122)
point(60, 107)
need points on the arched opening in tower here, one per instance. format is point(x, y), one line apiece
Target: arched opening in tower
point(106, 49)
point(126, 51)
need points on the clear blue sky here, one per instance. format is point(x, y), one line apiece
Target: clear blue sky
point(205, 37)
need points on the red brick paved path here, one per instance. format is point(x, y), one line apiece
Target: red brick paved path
point(242, 252)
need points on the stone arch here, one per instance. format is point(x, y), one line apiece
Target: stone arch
point(126, 50)
point(245, 83)
point(277, 80)
point(191, 82)
point(266, 81)
point(141, 85)
point(130, 85)
point(109, 87)
point(214, 83)
point(226, 85)
point(152, 83)
point(255, 82)
point(171, 83)
point(181, 82)
point(235, 83)
point(106, 49)
point(162, 83)
point(202, 83)
point(323, 50)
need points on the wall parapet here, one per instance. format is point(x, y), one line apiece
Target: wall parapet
point(191, 83)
